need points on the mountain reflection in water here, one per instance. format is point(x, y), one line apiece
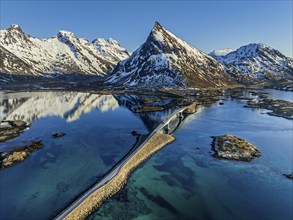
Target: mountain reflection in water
point(72, 105)
point(67, 105)
point(98, 132)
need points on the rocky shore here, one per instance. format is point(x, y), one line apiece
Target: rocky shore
point(88, 206)
point(11, 129)
point(18, 154)
point(230, 147)
point(280, 108)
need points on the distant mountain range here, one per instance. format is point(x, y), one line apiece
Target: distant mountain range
point(255, 62)
point(63, 53)
point(164, 60)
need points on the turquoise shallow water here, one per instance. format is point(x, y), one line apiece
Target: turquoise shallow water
point(98, 135)
point(184, 181)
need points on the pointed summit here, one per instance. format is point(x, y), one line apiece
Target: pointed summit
point(64, 33)
point(157, 32)
point(15, 27)
point(157, 25)
point(165, 60)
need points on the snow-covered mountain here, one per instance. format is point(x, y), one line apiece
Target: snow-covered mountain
point(253, 63)
point(165, 60)
point(68, 105)
point(110, 49)
point(63, 53)
point(222, 52)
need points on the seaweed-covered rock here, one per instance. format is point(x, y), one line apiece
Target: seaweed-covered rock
point(58, 135)
point(233, 148)
point(18, 154)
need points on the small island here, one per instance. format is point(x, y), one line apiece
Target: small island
point(279, 108)
point(18, 154)
point(230, 147)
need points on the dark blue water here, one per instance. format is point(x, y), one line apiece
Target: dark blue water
point(98, 135)
point(184, 181)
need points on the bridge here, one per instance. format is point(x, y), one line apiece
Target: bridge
point(163, 127)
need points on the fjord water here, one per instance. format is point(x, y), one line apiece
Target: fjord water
point(98, 135)
point(184, 181)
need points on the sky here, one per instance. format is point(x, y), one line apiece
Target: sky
point(207, 25)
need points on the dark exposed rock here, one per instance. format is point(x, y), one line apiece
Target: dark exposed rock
point(289, 175)
point(58, 135)
point(233, 148)
point(11, 129)
point(18, 154)
point(238, 94)
point(135, 133)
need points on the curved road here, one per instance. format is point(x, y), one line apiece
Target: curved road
point(116, 169)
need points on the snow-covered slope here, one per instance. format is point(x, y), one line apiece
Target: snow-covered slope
point(110, 49)
point(166, 60)
point(222, 52)
point(64, 53)
point(68, 105)
point(256, 62)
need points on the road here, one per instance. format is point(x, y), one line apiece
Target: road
point(116, 169)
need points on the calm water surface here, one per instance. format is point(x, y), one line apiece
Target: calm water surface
point(183, 180)
point(98, 134)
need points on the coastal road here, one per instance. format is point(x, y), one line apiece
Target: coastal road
point(117, 168)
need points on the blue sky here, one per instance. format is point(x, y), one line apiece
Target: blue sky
point(207, 25)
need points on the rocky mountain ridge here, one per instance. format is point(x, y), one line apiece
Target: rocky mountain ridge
point(164, 60)
point(255, 63)
point(64, 53)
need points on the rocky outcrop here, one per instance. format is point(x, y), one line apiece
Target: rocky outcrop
point(11, 129)
point(58, 135)
point(280, 108)
point(230, 147)
point(18, 154)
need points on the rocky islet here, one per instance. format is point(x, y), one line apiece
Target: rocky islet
point(230, 147)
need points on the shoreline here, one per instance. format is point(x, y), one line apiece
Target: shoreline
point(94, 201)
point(117, 178)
